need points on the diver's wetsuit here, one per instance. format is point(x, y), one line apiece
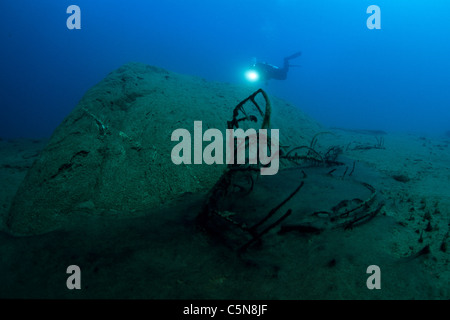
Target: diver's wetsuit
point(268, 71)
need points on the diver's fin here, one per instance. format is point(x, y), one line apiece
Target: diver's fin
point(295, 55)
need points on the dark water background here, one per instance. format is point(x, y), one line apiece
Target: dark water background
point(395, 78)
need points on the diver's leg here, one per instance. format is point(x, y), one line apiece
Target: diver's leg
point(283, 72)
point(286, 64)
point(295, 55)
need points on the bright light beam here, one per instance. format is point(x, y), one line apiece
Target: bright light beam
point(252, 75)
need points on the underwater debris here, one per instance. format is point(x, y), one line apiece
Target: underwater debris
point(218, 217)
point(360, 203)
point(378, 145)
point(330, 157)
point(349, 213)
point(313, 156)
point(259, 235)
point(314, 139)
point(271, 212)
point(227, 182)
point(363, 218)
point(301, 228)
point(346, 215)
point(101, 127)
point(234, 123)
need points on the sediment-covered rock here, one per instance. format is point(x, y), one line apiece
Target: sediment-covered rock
point(112, 153)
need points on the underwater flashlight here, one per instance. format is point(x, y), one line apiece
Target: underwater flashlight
point(252, 75)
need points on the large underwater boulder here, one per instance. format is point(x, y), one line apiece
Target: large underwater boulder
point(112, 153)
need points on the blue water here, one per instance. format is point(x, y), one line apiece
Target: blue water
point(395, 78)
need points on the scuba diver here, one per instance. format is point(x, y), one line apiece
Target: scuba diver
point(265, 71)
